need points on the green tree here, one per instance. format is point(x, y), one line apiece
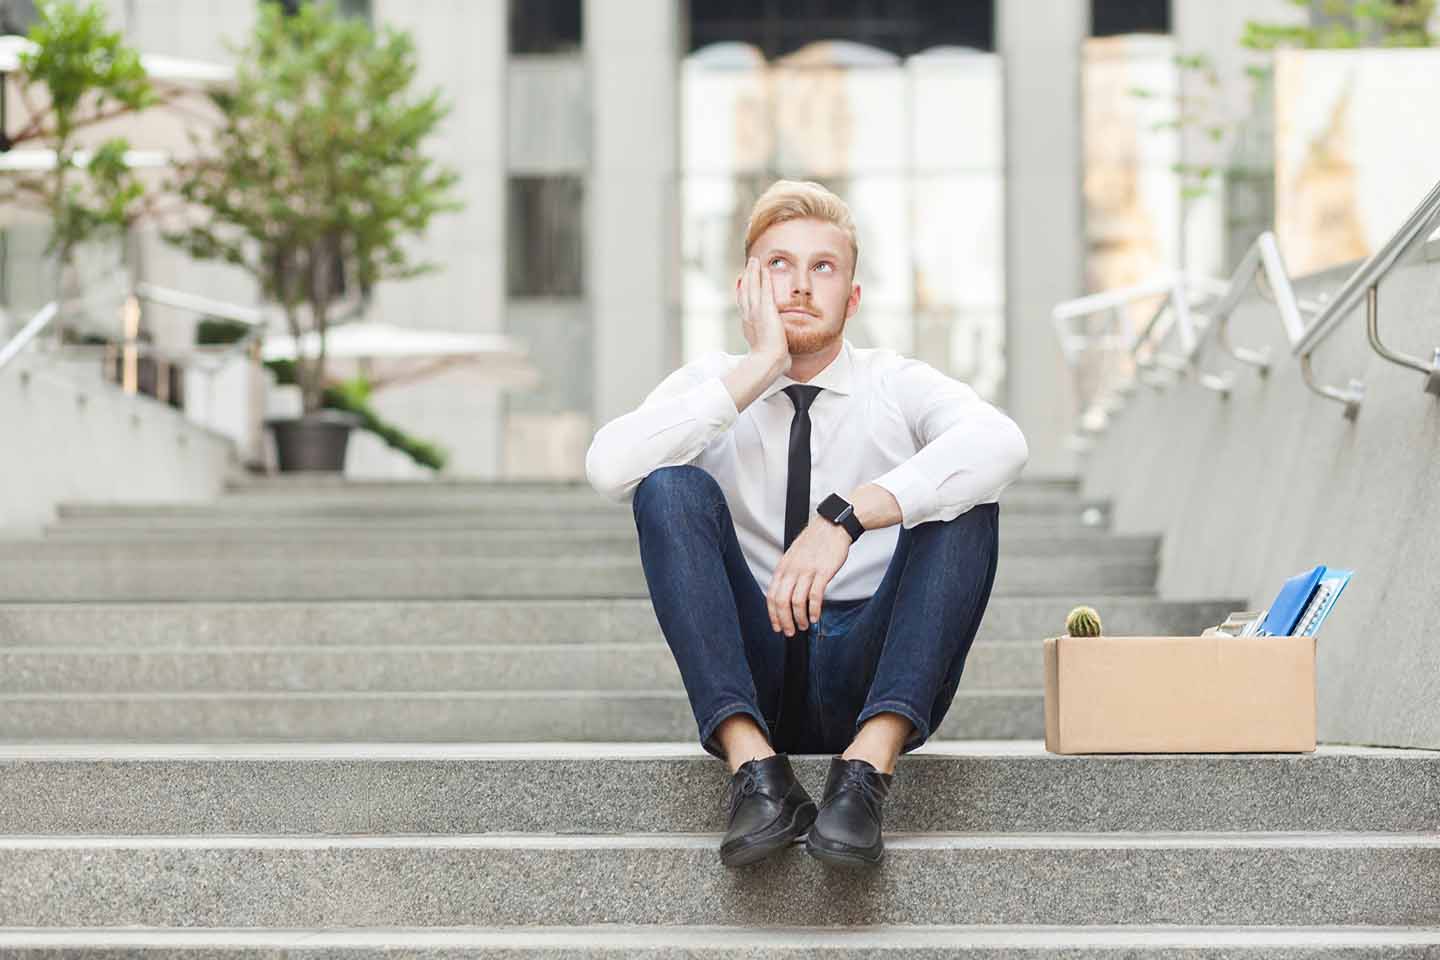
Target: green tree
point(316, 176)
point(1345, 24)
point(1328, 24)
point(77, 74)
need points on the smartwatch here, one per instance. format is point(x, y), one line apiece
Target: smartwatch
point(838, 510)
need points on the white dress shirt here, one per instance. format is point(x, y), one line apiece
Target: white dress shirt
point(880, 418)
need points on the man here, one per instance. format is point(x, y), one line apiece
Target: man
point(859, 487)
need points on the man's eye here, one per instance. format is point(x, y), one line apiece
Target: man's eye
point(825, 263)
point(775, 260)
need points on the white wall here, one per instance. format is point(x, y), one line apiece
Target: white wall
point(1251, 490)
point(632, 215)
point(61, 441)
point(1213, 28)
point(195, 29)
point(461, 47)
point(1044, 216)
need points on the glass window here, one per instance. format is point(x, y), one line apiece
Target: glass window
point(903, 27)
point(545, 238)
point(348, 8)
point(16, 16)
point(924, 182)
point(1113, 18)
point(545, 26)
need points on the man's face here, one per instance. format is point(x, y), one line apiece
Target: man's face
point(812, 278)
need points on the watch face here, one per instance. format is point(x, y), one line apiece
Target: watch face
point(833, 507)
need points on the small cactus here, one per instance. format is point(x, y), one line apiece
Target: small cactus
point(1083, 622)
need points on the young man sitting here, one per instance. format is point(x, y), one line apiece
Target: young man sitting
point(859, 487)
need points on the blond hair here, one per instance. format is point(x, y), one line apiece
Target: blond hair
point(799, 200)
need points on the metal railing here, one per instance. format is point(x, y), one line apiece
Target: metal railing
point(29, 332)
point(1306, 323)
point(120, 361)
point(1144, 359)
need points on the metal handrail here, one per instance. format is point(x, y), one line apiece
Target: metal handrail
point(1372, 333)
point(28, 332)
point(1365, 281)
point(191, 301)
point(1263, 262)
point(1305, 339)
point(1174, 287)
point(1369, 273)
point(216, 308)
point(1181, 294)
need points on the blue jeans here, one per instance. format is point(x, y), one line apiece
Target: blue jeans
point(901, 650)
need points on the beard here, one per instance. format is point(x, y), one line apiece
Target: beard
point(812, 339)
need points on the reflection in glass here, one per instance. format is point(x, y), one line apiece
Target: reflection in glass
point(914, 146)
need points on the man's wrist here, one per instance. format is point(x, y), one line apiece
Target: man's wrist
point(875, 507)
point(774, 363)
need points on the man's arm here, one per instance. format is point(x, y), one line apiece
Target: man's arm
point(969, 452)
point(674, 424)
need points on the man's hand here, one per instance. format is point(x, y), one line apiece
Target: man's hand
point(798, 586)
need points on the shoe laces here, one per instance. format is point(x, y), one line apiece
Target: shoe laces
point(742, 786)
point(867, 784)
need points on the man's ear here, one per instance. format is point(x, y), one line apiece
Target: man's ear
point(853, 304)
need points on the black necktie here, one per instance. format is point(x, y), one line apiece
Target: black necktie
point(797, 480)
point(797, 514)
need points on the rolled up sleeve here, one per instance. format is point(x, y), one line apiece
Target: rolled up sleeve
point(968, 452)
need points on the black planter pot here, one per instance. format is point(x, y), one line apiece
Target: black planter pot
point(316, 441)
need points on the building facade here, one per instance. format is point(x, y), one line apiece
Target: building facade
point(610, 150)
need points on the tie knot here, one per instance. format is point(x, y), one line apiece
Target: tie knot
point(802, 395)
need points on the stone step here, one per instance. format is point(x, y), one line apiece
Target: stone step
point(398, 541)
point(361, 506)
point(548, 666)
point(440, 716)
point(433, 623)
point(615, 522)
point(265, 542)
point(275, 572)
point(326, 482)
point(945, 786)
point(892, 941)
point(1292, 878)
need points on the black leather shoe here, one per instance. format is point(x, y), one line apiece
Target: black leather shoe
point(768, 810)
point(847, 829)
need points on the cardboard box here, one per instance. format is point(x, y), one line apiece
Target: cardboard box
point(1180, 694)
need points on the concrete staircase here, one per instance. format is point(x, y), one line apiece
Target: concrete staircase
point(318, 718)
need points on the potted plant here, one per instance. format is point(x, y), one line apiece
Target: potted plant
point(313, 182)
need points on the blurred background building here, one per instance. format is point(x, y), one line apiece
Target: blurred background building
point(1000, 157)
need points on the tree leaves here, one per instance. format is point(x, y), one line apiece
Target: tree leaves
point(318, 169)
point(87, 74)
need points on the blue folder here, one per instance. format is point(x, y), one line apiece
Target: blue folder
point(1294, 597)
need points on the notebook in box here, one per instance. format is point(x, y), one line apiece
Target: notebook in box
point(1291, 603)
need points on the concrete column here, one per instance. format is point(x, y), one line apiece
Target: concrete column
point(1044, 214)
point(632, 222)
point(462, 48)
point(196, 29)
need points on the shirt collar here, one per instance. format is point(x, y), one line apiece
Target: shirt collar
point(835, 377)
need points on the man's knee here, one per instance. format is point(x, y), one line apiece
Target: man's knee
point(672, 491)
point(977, 527)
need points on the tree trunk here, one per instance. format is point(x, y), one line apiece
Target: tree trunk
point(320, 310)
